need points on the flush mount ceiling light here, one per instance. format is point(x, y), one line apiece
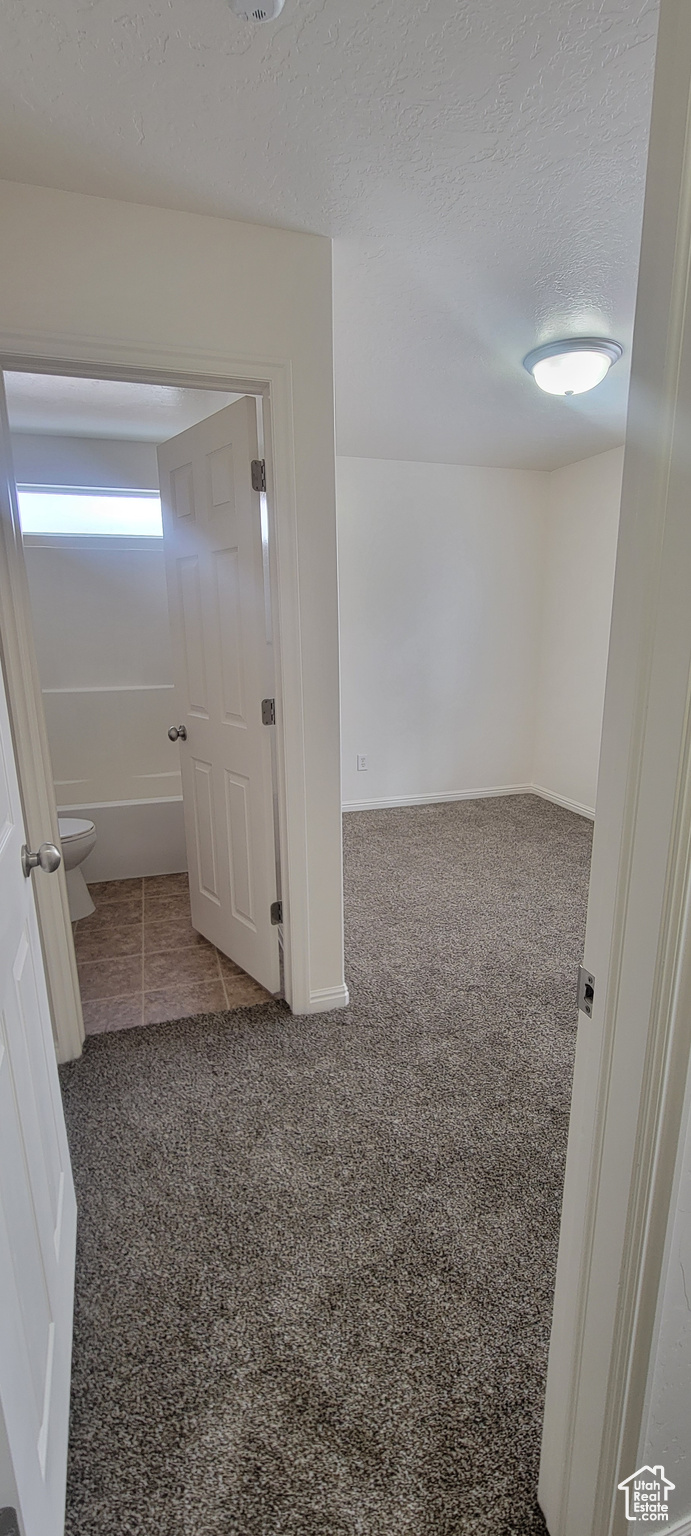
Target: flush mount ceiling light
point(571, 367)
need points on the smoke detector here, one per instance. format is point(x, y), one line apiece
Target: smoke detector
point(257, 10)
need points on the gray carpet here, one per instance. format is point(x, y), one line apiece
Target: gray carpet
point(316, 1256)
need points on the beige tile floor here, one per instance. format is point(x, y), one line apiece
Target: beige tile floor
point(140, 960)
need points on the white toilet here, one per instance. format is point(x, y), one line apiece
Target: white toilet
point(77, 838)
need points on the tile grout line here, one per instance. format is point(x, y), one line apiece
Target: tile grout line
point(140, 993)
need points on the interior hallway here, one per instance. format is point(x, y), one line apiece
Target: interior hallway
point(316, 1256)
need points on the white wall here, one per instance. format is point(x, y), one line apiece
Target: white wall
point(122, 283)
point(100, 617)
point(475, 610)
point(580, 551)
point(101, 629)
point(100, 620)
point(47, 459)
point(440, 571)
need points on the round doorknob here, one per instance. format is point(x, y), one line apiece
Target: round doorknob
point(178, 730)
point(48, 858)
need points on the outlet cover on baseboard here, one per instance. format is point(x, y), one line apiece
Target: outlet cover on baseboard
point(361, 762)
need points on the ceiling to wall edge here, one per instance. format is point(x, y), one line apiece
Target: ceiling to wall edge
point(76, 406)
point(66, 405)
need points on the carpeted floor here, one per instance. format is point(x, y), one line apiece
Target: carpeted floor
point(316, 1256)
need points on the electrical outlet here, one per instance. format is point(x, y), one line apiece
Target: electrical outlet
point(361, 763)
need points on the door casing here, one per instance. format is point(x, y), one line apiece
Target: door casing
point(27, 720)
point(272, 384)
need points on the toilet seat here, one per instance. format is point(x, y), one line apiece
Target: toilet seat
point(72, 828)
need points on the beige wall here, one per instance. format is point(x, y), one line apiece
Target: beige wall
point(90, 278)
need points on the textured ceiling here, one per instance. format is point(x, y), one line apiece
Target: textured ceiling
point(147, 413)
point(480, 164)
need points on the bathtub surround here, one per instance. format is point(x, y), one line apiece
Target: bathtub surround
point(140, 960)
point(106, 675)
point(136, 838)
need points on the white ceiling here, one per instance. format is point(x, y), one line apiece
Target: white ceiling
point(146, 413)
point(480, 164)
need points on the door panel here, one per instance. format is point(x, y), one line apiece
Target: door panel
point(37, 1206)
point(21, 1219)
point(205, 830)
point(192, 635)
point(238, 830)
point(182, 491)
point(226, 565)
point(215, 570)
point(222, 480)
point(27, 1052)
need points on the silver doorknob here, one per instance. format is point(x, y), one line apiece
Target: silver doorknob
point(48, 858)
point(178, 730)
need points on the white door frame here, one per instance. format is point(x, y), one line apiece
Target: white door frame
point(25, 704)
point(271, 381)
point(632, 1058)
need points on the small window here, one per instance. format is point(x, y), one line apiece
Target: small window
point(59, 509)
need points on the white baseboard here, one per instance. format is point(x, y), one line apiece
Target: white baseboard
point(323, 999)
point(134, 838)
point(389, 803)
point(569, 805)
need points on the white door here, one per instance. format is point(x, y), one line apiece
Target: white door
point(221, 649)
point(37, 1204)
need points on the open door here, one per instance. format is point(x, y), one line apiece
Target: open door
point(632, 1052)
point(221, 652)
point(37, 1204)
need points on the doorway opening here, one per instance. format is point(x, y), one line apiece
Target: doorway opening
point(146, 534)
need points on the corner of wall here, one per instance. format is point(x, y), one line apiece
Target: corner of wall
point(580, 536)
point(544, 516)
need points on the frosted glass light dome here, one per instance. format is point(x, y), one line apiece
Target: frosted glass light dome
point(574, 366)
